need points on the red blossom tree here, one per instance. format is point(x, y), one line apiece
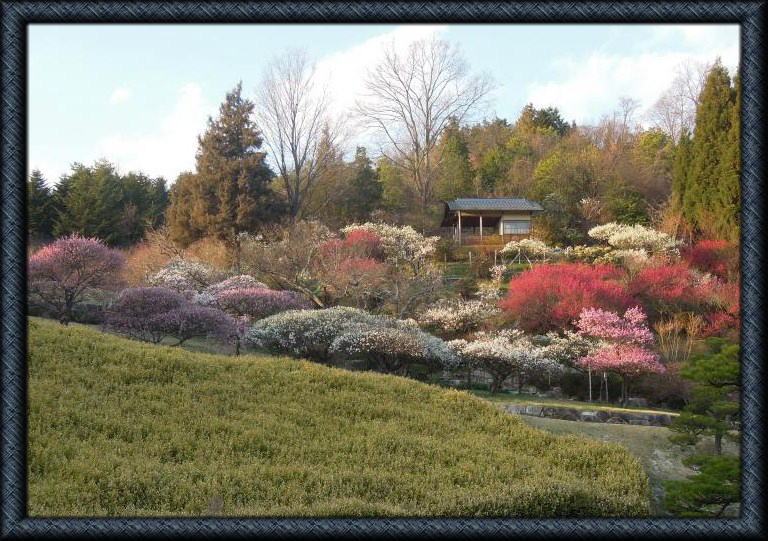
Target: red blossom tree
point(624, 351)
point(717, 257)
point(62, 273)
point(363, 244)
point(550, 296)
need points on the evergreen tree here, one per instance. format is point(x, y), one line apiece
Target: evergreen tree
point(91, 203)
point(680, 166)
point(726, 193)
point(365, 188)
point(40, 206)
point(229, 193)
point(455, 173)
point(706, 190)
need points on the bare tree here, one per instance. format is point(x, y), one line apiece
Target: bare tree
point(293, 115)
point(410, 99)
point(675, 111)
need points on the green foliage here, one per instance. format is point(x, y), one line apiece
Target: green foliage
point(229, 193)
point(710, 196)
point(542, 119)
point(455, 172)
point(714, 487)
point(121, 428)
point(40, 206)
point(365, 190)
point(714, 406)
point(98, 202)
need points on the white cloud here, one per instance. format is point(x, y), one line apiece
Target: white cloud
point(588, 88)
point(120, 95)
point(345, 72)
point(168, 150)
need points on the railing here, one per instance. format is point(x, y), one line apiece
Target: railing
point(490, 240)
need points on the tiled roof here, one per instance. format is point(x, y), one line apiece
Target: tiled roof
point(513, 203)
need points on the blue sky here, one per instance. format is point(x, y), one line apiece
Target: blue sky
point(138, 95)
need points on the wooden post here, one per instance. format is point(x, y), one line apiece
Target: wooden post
point(481, 226)
point(459, 226)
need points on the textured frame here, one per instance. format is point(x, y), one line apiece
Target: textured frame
point(16, 15)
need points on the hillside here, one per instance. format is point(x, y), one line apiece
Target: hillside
point(121, 428)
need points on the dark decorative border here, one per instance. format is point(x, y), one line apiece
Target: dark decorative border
point(15, 17)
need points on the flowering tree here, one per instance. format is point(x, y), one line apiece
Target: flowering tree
point(505, 353)
point(305, 333)
point(527, 248)
point(402, 245)
point(363, 244)
point(456, 317)
point(392, 346)
point(61, 274)
point(258, 302)
point(716, 257)
point(152, 314)
point(134, 312)
point(634, 237)
point(550, 296)
point(192, 321)
point(624, 348)
point(185, 276)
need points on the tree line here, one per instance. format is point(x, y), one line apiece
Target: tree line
point(280, 158)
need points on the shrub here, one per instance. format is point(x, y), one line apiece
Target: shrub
point(528, 248)
point(550, 296)
point(62, 273)
point(585, 254)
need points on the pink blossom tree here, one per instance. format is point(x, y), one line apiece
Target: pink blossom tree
point(61, 274)
point(623, 345)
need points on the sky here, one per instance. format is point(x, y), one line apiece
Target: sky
point(139, 95)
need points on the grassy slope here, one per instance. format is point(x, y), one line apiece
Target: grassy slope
point(123, 428)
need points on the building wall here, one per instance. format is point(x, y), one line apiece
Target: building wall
point(513, 216)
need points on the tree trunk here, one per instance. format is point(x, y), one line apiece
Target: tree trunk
point(718, 444)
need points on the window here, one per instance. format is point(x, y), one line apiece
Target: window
point(516, 227)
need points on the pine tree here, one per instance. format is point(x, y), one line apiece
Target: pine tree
point(703, 196)
point(40, 206)
point(229, 193)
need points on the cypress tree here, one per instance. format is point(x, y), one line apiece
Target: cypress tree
point(680, 166)
point(714, 118)
point(40, 206)
point(229, 193)
point(727, 190)
point(366, 189)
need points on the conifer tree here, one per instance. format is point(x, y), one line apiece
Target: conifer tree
point(680, 166)
point(229, 193)
point(40, 206)
point(456, 175)
point(706, 190)
point(365, 188)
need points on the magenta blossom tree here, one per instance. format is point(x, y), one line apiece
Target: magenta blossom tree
point(192, 321)
point(135, 312)
point(62, 273)
point(623, 345)
point(258, 302)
